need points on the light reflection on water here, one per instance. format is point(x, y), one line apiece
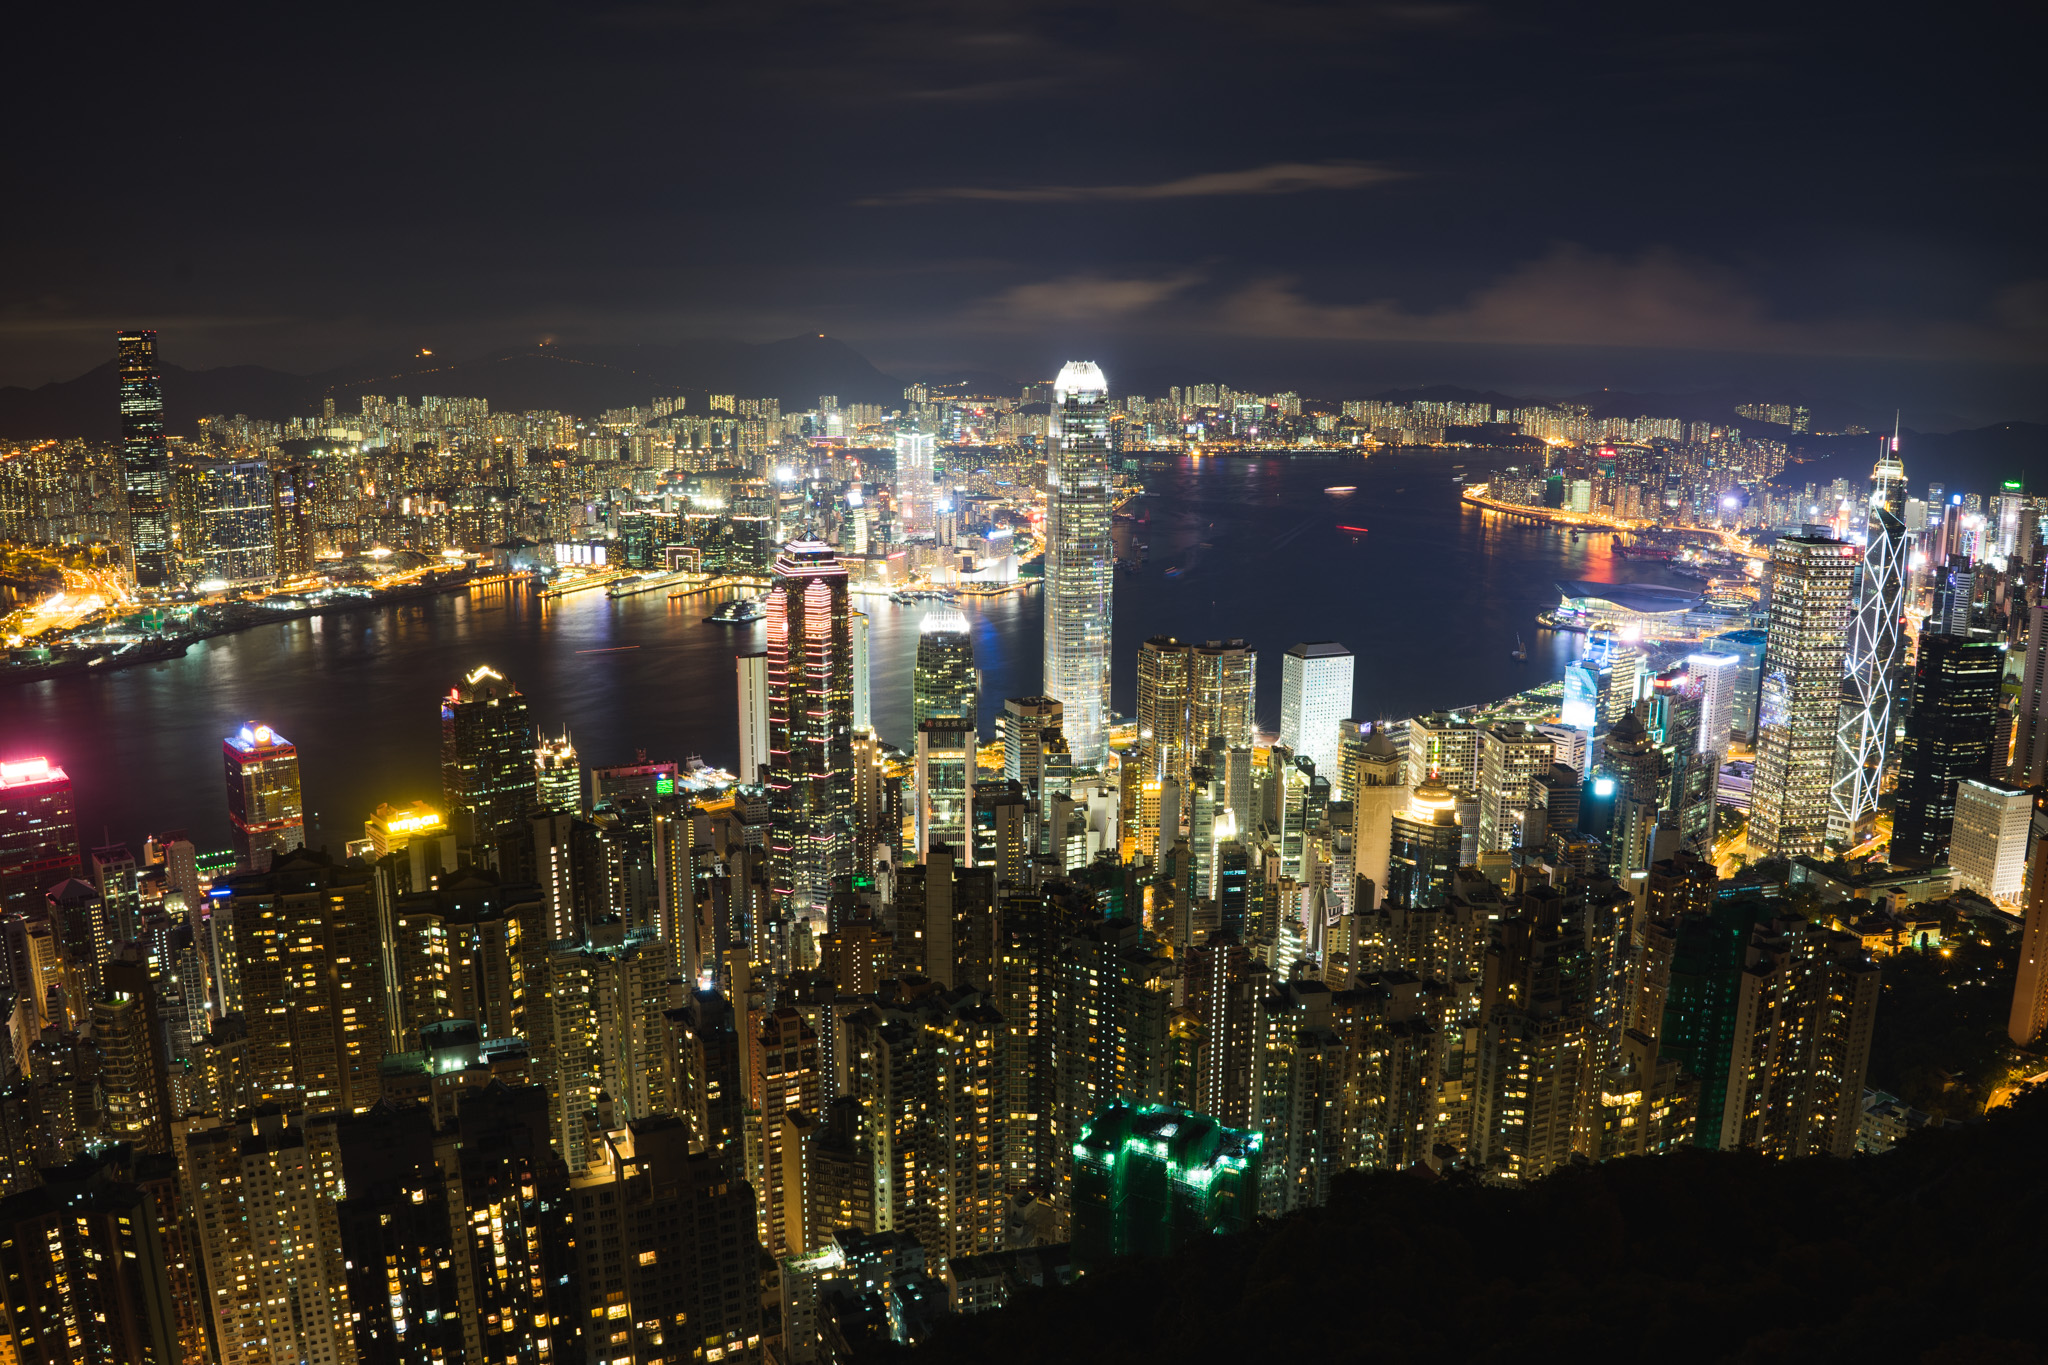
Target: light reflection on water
point(1430, 599)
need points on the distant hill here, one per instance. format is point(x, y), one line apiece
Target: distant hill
point(1974, 461)
point(578, 379)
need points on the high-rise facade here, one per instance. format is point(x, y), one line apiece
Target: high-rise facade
point(810, 725)
point(1079, 559)
point(1189, 694)
point(557, 775)
point(1948, 735)
point(1988, 851)
point(38, 833)
point(945, 684)
point(487, 741)
point(752, 674)
point(145, 461)
point(264, 804)
point(1811, 582)
point(227, 538)
point(1315, 697)
point(1870, 681)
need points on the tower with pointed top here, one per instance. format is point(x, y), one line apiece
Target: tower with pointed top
point(1871, 667)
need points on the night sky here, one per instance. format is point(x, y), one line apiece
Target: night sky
point(1829, 203)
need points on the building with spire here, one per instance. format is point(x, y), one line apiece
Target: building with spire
point(1871, 669)
point(1079, 559)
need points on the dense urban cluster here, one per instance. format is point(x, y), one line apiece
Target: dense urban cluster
point(654, 1063)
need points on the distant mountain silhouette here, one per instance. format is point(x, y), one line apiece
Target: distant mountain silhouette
point(1974, 461)
point(579, 379)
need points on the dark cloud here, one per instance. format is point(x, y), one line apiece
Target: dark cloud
point(943, 183)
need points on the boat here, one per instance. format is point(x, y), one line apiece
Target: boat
point(1340, 489)
point(739, 611)
point(1352, 530)
point(1520, 653)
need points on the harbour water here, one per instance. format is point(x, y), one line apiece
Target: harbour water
point(1430, 595)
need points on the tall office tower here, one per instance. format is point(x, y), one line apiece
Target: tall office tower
point(86, 1258)
point(264, 1191)
point(1877, 646)
point(1033, 927)
point(145, 461)
point(1300, 1069)
point(2029, 1017)
point(118, 880)
point(863, 693)
point(557, 775)
point(945, 684)
point(306, 961)
point(291, 520)
point(38, 834)
point(1377, 789)
point(2030, 707)
point(1811, 578)
point(1988, 852)
point(914, 494)
point(810, 726)
point(753, 693)
point(1717, 675)
point(1424, 844)
point(1948, 737)
point(1148, 1181)
point(1511, 758)
point(1315, 697)
point(1079, 559)
point(1224, 694)
point(1445, 747)
point(670, 1236)
point(945, 785)
point(263, 795)
point(1030, 730)
point(487, 743)
point(229, 539)
point(1165, 686)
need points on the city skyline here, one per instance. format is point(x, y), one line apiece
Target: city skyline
point(800, 685)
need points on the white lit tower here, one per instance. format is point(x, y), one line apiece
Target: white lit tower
point(1871, 667)
point(1812, 586)
point(1079, 560)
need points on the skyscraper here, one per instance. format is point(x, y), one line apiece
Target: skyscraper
point(1989, 848)
point(1948, 733)
point(945, 683)
point(1315, 697)
point(1079, 559)
point(1189, 694)
point(229, 539)
point(1876, 646)
point(752, 671)
point(145, 460)
point(38, 834)
point(1811, 578)
point(263, 795)
point(558, 776)
point(810, 725)
point(487, 775)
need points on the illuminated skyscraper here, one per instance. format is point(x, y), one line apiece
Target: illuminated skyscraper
point(1315, 697)
point(38, 834)
point(230, 539)
point(1811, 582)
point(945, 684)
point(487, 743)
point(1988, 851)
point(810, 725)
point(557, 774)
point(145, 460)
point(752, 671)
point(1948, 738)
point(263, 795)
point(1876, 646)
point(1189, 694)
point(945, 784)
point(1079, 559)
